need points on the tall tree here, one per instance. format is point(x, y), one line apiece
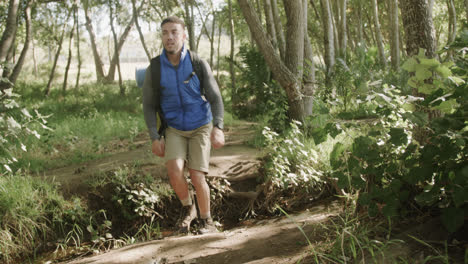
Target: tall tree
point(70, 52)
point(289, 73)
point(328, 36)
point(278, 28)
point(394, 35)
point(19, 64)
point(9, 32)
point(57, 54)
point(78, 52)
point(309, 68)
point(112, 7)
point(419, 26)
point(231, 56)
point(99, 65)
point(190, 23)
point(452, 29)
point(343, 36)
point(269, 22)
point(137, 25)
point(115, 57)
point(378, 33)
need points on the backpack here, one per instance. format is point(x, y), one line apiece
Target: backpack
point(197, 66)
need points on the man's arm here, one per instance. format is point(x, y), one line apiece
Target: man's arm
point(149, 106)
point(213, 95)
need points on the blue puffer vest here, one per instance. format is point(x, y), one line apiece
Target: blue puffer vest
point(181, 102)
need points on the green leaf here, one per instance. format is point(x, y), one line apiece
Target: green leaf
point(423, 74)
point(426, 88)
point(456, 80)
point(413, 82)
point(429, 62)
point(452, 218)
point(443, 71)
point(373, 210)
point(410, 65)
point(421, 53)
point(364, 198)
point(391, 208)
point(319, 135)
point(396, 185)
point(427, 198)
point(460, 196)
point(335, 155)
point(448, 107)
point(398, 136)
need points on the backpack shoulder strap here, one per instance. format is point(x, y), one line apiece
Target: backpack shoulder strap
point(156, 82)
point(197, 65)
point(156, 74)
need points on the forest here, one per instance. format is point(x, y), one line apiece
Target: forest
point(347, 118)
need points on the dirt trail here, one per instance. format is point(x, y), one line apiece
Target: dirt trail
point(276, 240)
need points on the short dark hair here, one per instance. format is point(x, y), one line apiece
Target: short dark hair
point(173, 19)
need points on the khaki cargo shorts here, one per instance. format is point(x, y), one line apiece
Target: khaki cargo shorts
point(192, 146)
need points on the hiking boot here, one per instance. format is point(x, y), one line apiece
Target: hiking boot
point(207, 226)
point(187, 214)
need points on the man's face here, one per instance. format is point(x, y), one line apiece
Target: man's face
point(173, 37)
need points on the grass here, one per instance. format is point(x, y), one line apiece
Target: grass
point(82, 122)
point(28, 207)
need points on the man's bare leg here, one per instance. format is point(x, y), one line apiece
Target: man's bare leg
point(175, 170)
point(203, 192)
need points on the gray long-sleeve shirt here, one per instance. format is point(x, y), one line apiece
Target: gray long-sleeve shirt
point(212, 94)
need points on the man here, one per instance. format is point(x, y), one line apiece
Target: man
point(192, 108)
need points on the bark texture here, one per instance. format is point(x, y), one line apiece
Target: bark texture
point(8, 35)
point(378, 33)
point(19, 64)
point(418, 26)
point(328, 36)
point(395, 35)
point(92, 36)
point(286, 78)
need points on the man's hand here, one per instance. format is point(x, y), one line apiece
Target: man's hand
point(217, 138)
point(158, 147)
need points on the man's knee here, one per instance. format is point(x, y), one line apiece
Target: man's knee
point(175, 168)
point(198, 178)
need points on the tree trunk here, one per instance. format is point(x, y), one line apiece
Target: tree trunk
point(116, 48)
point(466, 10)
point(309, 67)
point(269, 22)
point(343, 33)
point(137, 25)
point(419, 26)
point(97, 58)
point(289, 80)
point(70, 53)
point(19, 65)
point(78, 54)
point(34, 58)
point(232, 72)
point(189, 22)
point(360, 29)
point(10, 29)
point(115, 57)
point(213, 25)
point(10, 61)
point(335, 17)
point(378, 34)
point(218, 70)
point(452, 26)
point(328, 41)
point(279, 29)
point(57, 54)
point(394, 37)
